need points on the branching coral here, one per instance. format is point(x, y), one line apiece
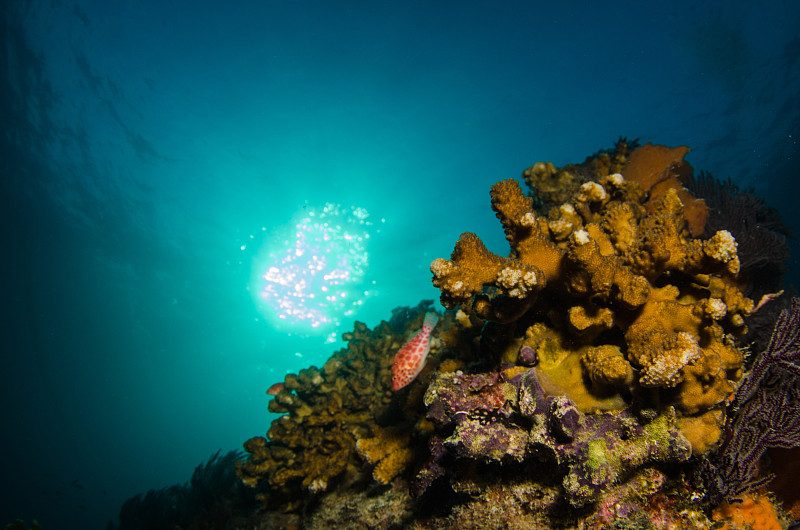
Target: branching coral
point(388, 449)
point(330, 411)
point(551, 186)
point(574, 382)
point(621, 270)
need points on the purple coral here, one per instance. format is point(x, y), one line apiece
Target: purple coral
point(528, 356)
point(433, 468)
point(765, 412)
point(565, 418)
point(490, 419)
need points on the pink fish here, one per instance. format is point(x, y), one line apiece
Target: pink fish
point(411, 357)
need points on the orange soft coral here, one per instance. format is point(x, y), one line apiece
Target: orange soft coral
point(755, 514)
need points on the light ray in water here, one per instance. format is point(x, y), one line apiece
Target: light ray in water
point(310, 281)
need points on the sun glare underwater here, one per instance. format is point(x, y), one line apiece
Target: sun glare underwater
point(310, 275)
point(221, 223)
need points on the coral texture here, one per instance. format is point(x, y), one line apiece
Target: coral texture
point(330, 420)
point(388, 449)
point(593, 377)
point(756, 513)
point(640, 302)
point(493, 419)
point(765, 412)
point(658, 169)
point(760, 234)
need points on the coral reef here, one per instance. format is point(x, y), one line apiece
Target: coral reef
point(552, 186)
point(626, 276)
point(505, 421)
point(214, 493)
point(756, 513)
point(388, 450)
point(628, 301)
point(331, 424)
point(646, 500)
point(659, 169)
point(593, 377)
point(760, 234)
point(765, 413)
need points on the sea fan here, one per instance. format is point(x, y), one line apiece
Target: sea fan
point(765, 413)
point(758, 229)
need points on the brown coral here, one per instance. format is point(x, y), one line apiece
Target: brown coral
point(606, 365)
point(328, 412)
point(604, 300)
point(627, 263)
point(388, 450)
point(657, 169)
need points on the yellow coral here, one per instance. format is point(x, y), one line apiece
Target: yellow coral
point(658, 169)
point(631, 296)
point(702, 431)
point(325, 412)
point(450, 365)
point(606, 365)
point(472, 266)
point(392, 465)
point(711, 379)
point(620, 223)
point(602, 276)
point(591, 320)
point(663, 365)
point(525, 232)
point(560, 373)
point(674, 340)
point(388, 450)
point(550, 184)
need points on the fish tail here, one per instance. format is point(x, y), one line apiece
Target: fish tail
point(431, 319)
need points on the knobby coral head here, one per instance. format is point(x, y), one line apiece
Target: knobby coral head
point(614, 271)
point(566, 372)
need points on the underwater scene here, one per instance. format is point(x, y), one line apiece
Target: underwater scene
point(301, 264)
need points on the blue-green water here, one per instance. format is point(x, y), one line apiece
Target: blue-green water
point(159, 157)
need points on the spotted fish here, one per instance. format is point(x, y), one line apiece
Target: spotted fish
point(411, 357)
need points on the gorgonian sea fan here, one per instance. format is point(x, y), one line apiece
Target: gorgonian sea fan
point(765, 412)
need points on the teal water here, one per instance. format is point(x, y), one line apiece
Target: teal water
point(158, 158)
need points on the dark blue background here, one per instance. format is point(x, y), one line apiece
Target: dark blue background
point(144, 143)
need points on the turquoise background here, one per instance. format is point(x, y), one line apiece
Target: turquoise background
point(155, 153)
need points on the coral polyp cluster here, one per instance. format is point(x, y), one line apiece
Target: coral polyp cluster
point(618, 274)
point(497, 419)
point(330, 417)
point(592, 377)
